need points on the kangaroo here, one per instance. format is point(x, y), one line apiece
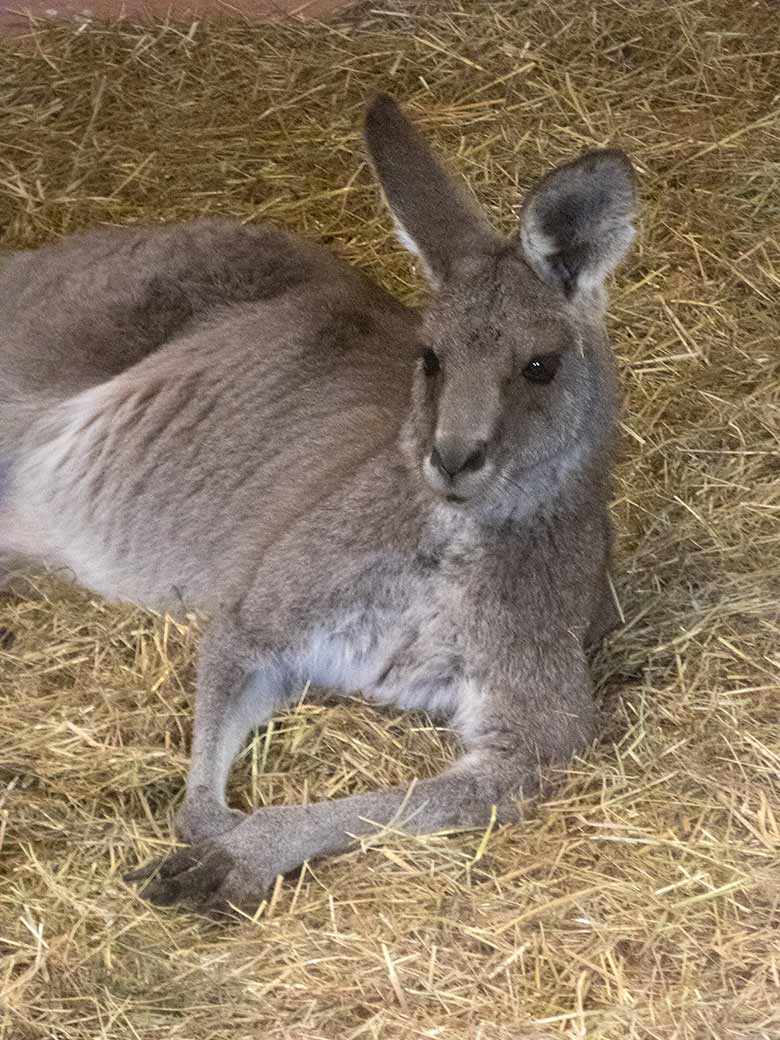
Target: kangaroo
point(354, 493)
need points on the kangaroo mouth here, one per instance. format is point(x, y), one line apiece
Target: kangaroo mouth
point(463, 488)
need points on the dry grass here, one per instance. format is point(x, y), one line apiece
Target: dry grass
point(644, 901)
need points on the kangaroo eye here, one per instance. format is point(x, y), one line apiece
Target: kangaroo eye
point(430, 362)
point(542, 369)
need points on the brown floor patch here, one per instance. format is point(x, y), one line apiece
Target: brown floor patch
point(16, 17)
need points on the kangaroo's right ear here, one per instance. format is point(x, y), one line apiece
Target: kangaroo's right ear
point(435, 215)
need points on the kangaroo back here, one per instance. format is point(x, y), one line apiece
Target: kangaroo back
point(75, 314)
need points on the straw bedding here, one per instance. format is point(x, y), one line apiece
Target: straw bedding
point(642, 901)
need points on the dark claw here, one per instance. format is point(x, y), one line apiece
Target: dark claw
point(7, 638)
point(180, 862)
point(182, 859)
point(185, 876)
point(142, 873)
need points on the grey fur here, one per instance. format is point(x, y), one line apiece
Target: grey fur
point(228, 419)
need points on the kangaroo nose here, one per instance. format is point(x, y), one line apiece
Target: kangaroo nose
point(451, 456)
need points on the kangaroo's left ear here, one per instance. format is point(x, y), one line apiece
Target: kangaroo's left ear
point(578, 221)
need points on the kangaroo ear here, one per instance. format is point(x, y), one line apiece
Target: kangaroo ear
point(436, 217)
point(577, 222)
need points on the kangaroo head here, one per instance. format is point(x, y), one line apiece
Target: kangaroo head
point(515, 383)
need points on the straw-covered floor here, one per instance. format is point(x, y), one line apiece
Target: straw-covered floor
point(642, 901)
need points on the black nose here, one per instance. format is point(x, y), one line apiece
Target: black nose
point(452, 457)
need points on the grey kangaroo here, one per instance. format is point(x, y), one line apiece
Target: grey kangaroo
point(227, 419)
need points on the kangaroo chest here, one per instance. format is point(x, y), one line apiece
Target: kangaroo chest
point(409, 652)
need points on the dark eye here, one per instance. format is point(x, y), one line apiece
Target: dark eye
point(542, 369)
point(430, 362)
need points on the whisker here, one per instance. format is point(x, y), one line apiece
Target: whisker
point(513, 483)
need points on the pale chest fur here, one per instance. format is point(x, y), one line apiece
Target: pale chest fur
point(415, 660)
point(410, 653)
